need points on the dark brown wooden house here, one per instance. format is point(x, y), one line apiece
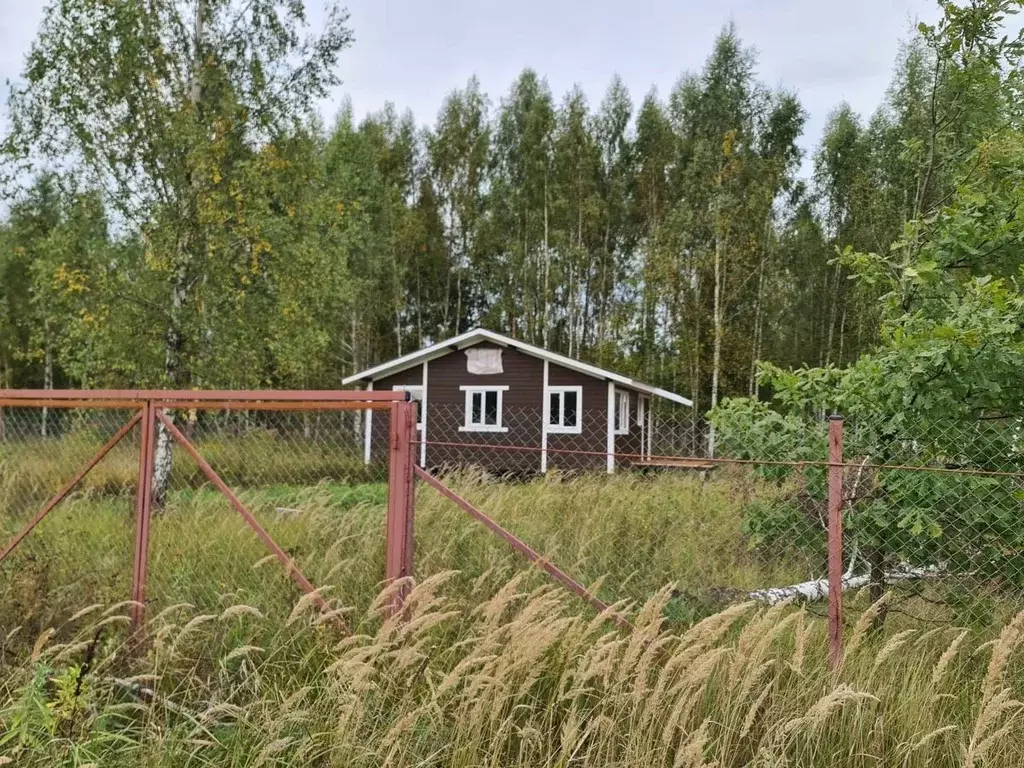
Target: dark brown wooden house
point(491, 401)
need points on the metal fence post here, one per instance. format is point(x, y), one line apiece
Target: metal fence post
point(400, 521)
point(835, 541)
point(143, 512)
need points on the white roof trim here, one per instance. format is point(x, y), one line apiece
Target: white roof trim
point(482, 334)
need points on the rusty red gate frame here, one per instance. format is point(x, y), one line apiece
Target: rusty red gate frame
point(151, 408)
point(835, 541)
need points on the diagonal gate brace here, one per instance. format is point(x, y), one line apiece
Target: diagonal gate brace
point(71, 485)
point(522, 547)
point(290, 567)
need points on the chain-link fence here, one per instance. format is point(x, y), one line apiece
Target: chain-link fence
point(622, 506)
point(930, 512)
point(254, 502)
point(227, 500)
point(299, 475)
point(933, 516)
point(518, 441)
point(80, 550)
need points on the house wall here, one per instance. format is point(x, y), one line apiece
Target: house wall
point(631, 442)
point(381, 423)
point(593, 438)
point(523, 412)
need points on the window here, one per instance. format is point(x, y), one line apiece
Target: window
point(483, 409)
point(622, 413)
point(564, 415)
point(416, 393)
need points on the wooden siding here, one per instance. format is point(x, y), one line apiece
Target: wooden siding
point(593, 438)
point(521, 404)
point(523, 409)
point(381, 425)
point(629, 443)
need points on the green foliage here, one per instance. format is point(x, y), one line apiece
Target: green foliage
point(223, 236)
point(251, 246)
point(29, 720)
point(187, 118)
point(944, 387)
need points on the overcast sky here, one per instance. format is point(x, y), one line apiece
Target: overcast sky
point(412, 52)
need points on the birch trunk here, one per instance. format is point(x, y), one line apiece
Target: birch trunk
point(755, 352)
point(357, 416)
point(162, 459)
point(173, 343)
point(452, 263)
point(47, 377)
point(818, 589)
point(5, 383)
point(463, 260)
point(755, 388)
point(419, 310)
point(716, 361)
point(842, 336)
point(547, 273)
point(832, 314)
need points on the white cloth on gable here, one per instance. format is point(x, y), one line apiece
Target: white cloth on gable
point(484, 361)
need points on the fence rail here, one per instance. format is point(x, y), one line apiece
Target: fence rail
point(153, 426)
point(179, 497)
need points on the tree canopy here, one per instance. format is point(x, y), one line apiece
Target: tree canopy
point(182, 217)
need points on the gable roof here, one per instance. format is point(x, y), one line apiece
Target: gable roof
point(477, 335)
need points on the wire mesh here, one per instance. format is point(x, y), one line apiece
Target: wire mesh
point(931, 510)
point(737, 511)
point(81, 551)
point(932, 515)
point(653, 511)
point(309, 479)
point(517, 443)
point(313, 480)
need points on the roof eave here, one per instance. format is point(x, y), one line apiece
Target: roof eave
point(457, 342)
point(409, 360)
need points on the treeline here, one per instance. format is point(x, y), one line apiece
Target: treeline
point(205, 244)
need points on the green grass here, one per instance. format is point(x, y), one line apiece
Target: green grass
point(625, 536)
point(493, 665)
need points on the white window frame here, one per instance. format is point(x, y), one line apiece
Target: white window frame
point(470, 390)
point(413, 389)
point(643, 420)
point(563, 429)
point(622, 413)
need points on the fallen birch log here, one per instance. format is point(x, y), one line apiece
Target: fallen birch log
point(818, 590)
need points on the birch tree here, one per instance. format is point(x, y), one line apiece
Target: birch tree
point(520, 199)
point(575, 219)
point(609, 305)
point(158, 103)
point(458, 151)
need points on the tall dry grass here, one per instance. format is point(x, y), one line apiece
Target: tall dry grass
point(492, 666)
point(523, 678)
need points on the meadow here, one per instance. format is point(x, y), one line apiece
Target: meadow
point(492, 665)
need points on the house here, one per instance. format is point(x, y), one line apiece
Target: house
point(507, 406)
